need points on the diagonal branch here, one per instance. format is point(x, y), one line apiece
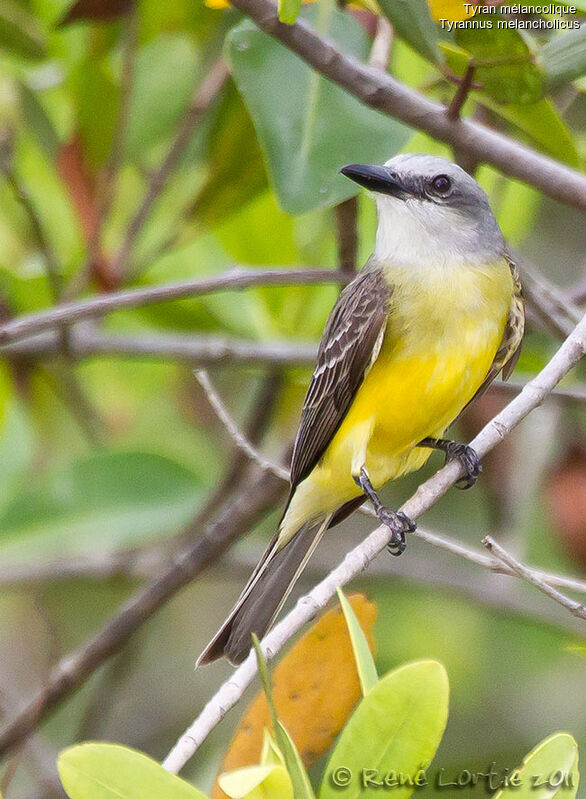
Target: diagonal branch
point(358, 559)
point(576, 608)
point(379, 90)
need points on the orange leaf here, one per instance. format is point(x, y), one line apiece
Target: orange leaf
point(315, 689)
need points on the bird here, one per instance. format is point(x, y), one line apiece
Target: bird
point(425, 326)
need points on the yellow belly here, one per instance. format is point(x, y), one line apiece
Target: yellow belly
point(438, 348)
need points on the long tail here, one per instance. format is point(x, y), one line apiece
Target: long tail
point(264, 594)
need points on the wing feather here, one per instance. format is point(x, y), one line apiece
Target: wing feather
point(351, 341)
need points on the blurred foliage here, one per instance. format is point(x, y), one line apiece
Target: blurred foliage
point(113, 453)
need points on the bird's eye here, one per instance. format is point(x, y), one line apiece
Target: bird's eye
point(441, 184)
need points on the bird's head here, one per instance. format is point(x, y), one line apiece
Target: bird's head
point(429, 207)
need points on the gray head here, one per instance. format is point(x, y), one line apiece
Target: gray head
point(429, 207)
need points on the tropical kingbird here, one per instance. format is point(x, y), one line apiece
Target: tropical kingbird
point(427, 324)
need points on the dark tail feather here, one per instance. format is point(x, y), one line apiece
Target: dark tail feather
point(264, 594)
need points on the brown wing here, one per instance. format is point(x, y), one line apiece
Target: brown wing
point(348, 348)
point(509, 350)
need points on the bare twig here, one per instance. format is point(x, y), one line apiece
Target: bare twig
point(206, 350)
point(107, 183)
point(347, 225)
point(202, 350)
point(377, 89)
point(576, 608)
point(458, 100)
point(232, 280)
point(355, 561)
point(48, 253)
point(235, 433)
point(200, 103)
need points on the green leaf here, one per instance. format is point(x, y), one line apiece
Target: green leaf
point(412, 21)
point(505, 64)
point(100, 503)
point(564, 57)
point(111, 771)
point(397, 728)
point(289, 10)
point(301, 785)
point(236, 171)
point(16, 449)
point(19, 31)
point(542, 123)
point(164, 80)
point(364, 662)
point(550, 769)
point(311, 128)
point(36, 118)
point(257, 782)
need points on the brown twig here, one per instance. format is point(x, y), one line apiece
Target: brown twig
point(200, 103)
point(458, 100)
point(231, 280)
point(379, 90)
point(346, 214)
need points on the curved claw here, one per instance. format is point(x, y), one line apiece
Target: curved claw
point(398, 524)
point(470, 463)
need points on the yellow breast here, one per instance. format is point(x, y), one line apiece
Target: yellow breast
point(442, 335)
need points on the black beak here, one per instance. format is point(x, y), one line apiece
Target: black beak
point(377, 178)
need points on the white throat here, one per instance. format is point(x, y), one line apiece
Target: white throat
point(422, 234)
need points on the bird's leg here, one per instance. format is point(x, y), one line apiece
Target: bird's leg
point(398, 523)
point(456, 451)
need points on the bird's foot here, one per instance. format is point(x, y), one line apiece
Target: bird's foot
point(399, 524)
point(469, 461)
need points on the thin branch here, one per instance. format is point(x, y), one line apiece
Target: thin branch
point(346, 214)
point(576, 608)
point(233, 430)
point(206, 350)
point(232, 280)
point(200, 103)
point(260, 493)
point(379, 90)
point(358, 559)
point(458, 100)
point(48, 253)
point(201, 350)
point(107, 184)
